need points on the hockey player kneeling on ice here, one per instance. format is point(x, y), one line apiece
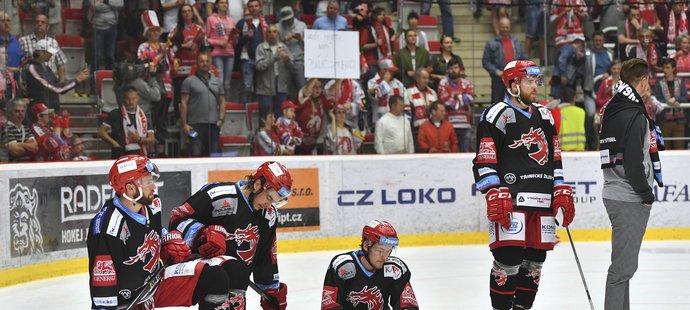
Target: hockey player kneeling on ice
point(518, 167)
point(238, 219)
point(127, 262)
point(369, 278)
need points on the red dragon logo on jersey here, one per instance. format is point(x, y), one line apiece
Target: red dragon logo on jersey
point(151, 244)
point(500, 277)
point(535, 275)
point(249, 234)
point(535, 136)
point(235, 299)
point(370, 296)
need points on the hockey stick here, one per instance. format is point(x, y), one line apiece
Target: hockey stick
point(270, 299)
point(579, 267)
point(147, 287)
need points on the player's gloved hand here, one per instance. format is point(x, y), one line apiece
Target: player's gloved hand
point(499, 204)
point(563, 199)
point(175, 250)
point(212, 241)
point(280, 294)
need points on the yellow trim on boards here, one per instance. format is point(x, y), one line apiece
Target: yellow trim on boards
point(54, 269)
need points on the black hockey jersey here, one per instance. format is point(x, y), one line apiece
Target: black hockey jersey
point(252, 233)
point(124, 251)
point(518, 149)
point(348, 285)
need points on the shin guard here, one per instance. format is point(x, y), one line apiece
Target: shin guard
point(527, 284)
point(502, 285)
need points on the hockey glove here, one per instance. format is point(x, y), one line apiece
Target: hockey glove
point(563, 199)
point(280, 294)
point(212, 241)
point(175, 250)
point(499, 204)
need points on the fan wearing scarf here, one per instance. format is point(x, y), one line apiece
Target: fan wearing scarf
point(630, 141)
point(130, 130)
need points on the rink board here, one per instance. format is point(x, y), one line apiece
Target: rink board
point(430, 199)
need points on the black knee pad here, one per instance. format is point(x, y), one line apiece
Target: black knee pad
point(238, 274)
point(528, 278)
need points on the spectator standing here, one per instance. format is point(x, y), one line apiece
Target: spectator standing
point(498, 12)
point(677, 22)
point(332, 20)
point(130, 131)
point(418, 99)
point(52, 146)
point(310, 114)
point(149, 93)
point(267, 142)
point(599, 58)
point(606, 89)
point(628, 30)
point(254, 30)
point(412, 22)
point(222, 36)
point(567, 17)
point(292, 34)
point(41, 83)
point(347, 93)
point(340, 138)
point(457, 94)
point(287, 129)
point(272, 67)
point(375, 40)
point(446, 16)
point(105, 17)
point(29, 42)
point(382, 86)
point(646, 50)
point(570, 68)
point(671, 91)
point(12, 47)
point(171, 11)
point(630, 164)
point(410, 58)
point(439, 63)
point(16, 139)
point(202, 108)
point(437, 135)
point(499, 51)
point(682, 56)
point(534, 33)
point(572, 127)
point(393, 133)
point(187, 39)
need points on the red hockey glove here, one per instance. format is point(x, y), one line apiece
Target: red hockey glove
point(563, 199)
point(175, 250)
point(280, 294)
point(212, 241)
point(499, 204)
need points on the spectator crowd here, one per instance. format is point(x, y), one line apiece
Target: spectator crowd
point(181, 64)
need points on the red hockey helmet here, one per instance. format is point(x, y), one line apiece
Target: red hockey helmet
point(128, 169)
point(380, 232)
point(517, 69)
point(278, 178)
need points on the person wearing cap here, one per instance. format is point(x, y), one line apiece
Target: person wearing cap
point(29, 42)
point(273, 62)
point(239, 219)
point(16, 140)
point(41, 83)
point(457, 94)
point(202, 108)
point(222, 36)
point(383, 85)
point(291, 32)
point(105, 19)
point(52, 146)
point(288, 130)
point(340, 138)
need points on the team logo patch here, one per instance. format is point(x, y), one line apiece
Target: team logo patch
point(370, 296)
point(392, 271)
point(151, 245)
point(535, 275)
point(223, 207)
point(222, 190)
point(347, 271)
point(329, 297)
point(533, 137)
point(249, 234)
point(156, 205)
point(487, 151)
point(516, 226)
point(407, 298)
point(103, 272)
point(510, 178)
point(500, 276)
point(126, 294)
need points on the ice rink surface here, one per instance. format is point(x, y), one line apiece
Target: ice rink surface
point(444, 277)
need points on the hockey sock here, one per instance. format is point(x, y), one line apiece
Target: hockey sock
point(502, 285)
point(528, 278)
point(212, 289)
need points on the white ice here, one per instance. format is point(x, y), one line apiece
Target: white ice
point(445, 277)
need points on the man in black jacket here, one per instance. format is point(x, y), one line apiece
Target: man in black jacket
point(630, 142)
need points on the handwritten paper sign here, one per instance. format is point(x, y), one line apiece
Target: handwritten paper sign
point(331, 54)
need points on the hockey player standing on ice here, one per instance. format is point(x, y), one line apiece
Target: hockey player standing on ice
point(125, 250)
point(630, 145)
point(369, 278)
point(239, 219)
point(518, 167)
